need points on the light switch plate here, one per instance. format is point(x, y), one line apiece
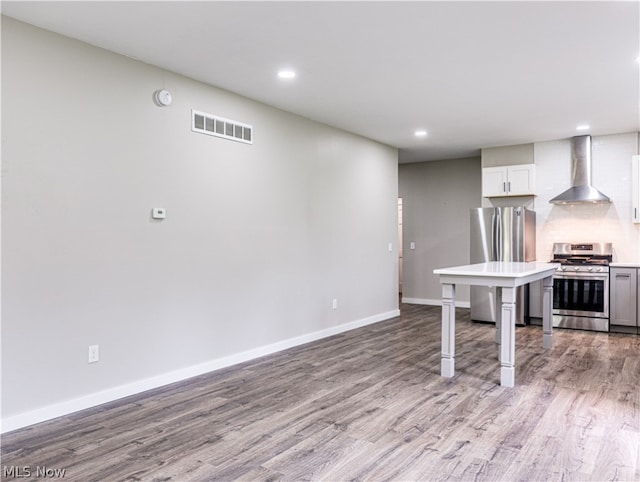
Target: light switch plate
point(94, 353)
point(159, 213)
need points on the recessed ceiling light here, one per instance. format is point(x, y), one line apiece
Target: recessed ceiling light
point(420, 133)
point(583, 127)
point(286, 74)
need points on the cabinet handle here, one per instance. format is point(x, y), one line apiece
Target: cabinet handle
point(504, 187)
point(622, 275)
point(509, 186)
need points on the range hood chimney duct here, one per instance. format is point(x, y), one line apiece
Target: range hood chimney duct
point(581, 190)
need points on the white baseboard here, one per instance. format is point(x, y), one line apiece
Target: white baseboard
point(49, 412)
point(427, 301)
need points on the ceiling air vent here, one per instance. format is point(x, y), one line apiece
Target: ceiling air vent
point(214, 125)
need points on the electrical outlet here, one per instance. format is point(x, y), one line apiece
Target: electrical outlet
point(94, 353)
point(335, 304)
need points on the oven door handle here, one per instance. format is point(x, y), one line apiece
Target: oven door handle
point(578, 275)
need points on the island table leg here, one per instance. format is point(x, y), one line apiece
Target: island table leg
point(447, 366)
point(498, 305)
point(547, 312)
point(508, 337)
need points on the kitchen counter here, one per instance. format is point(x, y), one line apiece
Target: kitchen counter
point(506, 277)
point(624, 265)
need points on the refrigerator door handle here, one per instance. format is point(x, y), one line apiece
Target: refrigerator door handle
point(498, 237)
point(492, 238)
point(495, 236)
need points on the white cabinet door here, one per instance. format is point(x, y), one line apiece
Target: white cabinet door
point(521, 180)
point(494, 181)
point(518, 180)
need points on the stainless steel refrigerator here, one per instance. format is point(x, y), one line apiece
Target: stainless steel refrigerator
point(501, 234)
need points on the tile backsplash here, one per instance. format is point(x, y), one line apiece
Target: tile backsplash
point(611, 174)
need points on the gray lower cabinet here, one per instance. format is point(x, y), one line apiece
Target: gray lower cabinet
point(535, 299)
point(624, 299)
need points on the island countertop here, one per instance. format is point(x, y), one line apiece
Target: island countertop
point(496, 273)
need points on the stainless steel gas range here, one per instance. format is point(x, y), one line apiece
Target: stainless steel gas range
point(581, 286)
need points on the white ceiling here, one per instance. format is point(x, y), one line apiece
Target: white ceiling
point(473, 74)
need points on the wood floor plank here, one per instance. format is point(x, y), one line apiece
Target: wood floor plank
point(369, 404)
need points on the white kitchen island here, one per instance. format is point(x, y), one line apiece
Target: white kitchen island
point(505, 277)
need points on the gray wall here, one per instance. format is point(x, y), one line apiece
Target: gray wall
point(258, 241)
point(507, 155)
point(437, 197)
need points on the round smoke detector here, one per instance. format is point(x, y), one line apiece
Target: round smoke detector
point(163, 97)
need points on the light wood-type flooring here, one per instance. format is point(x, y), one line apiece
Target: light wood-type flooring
point(369, 405)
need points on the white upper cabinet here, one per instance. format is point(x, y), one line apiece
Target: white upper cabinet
point(517, 180)
point(635, 189)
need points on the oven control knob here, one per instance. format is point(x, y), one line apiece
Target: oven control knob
point(598, 269)
point(577, 268)
point(591, 269)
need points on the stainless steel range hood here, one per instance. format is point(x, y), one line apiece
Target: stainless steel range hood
point(581, 190)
